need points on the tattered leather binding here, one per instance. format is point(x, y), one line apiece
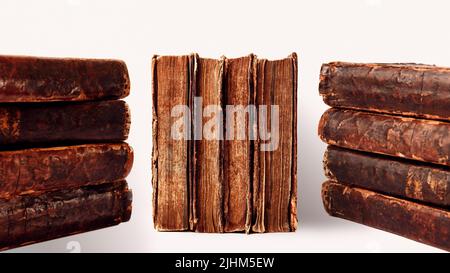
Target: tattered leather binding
point(416, 221)
point(238, 90)
point(35, 79)
point(172, 158)
point(56, 123)
point(30, 219)
point(275, 158)
point(208, 183)
point(404, 89)
point(411, 138)
point(409, 179)
point(37, 170)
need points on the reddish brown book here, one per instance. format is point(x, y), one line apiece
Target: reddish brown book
point(237, 150)
point(37, 170)
point(425, 224)
point(404, 89)
point(208, 177)
point(30, 219)
point(53, 123)
point(418, 139)
point(403, 178)
point(34, 79)
point(172, 87)
point(275, 160)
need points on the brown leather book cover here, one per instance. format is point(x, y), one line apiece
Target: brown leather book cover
point(208, 177)
point(422, 182)
point(418, 139)
point(63, 123)
point(35, 79)
point(37, 170)
point(238, 91)
point(275, 161)
point(31, 219)
point(404, 89)
point(172, 157)
point(422, 223)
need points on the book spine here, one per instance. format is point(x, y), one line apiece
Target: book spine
point(274, 186)
point(406, 179)
point(412, 220)
point(208, 177)
point(30, 219)
point(37, 170)
point(81, 122)
point(418, 139)
point(386, 88)
point(237, 147)
point(172, 83)
point(33, 79)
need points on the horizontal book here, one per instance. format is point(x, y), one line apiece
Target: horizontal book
point(422, 223)
point(31, 219)
point(411, 138)
point(64, 123)
point(37, 170)
point(409, 179)
point(403, 89)
point(35, 79)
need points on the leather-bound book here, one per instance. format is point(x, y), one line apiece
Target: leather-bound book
point(403, 89)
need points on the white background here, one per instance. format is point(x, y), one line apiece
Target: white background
point(319, 31)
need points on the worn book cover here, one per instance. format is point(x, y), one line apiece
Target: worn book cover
point(409, 179)
point(64, 123)
point(411, 138)
point(37, 170)
point(275, 159)
point(30, 219)
point(422, 223)
point(404, 89)
point(36, 79)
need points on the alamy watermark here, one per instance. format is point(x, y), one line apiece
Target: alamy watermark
point(242, 122)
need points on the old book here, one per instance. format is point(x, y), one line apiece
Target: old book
point(418, 139)
point(37, 170)
point(208, 150)
point(76, 122)
point(425, 224)
point(30, 219)
point(237, 158)
point(275, 163)
point(405, 89)
point(403, 178)
point(172, 148)
point(34, 79)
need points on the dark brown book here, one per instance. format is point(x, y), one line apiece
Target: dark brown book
point(31, 219)
point(208, 177)
point(405, 89)
point(37, 170)
point(238, 92)
point(76, 122)
point(412, 220)
point(34, 79)
point(402, 178)
point(172, 157)
point(418, 139)
point(275, 160)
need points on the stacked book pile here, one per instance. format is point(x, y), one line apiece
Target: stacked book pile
point(224, 144)
point(388, 162)
point(62, 157)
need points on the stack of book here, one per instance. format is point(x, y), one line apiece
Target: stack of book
point(62, 157)
point(389, 156)
point(224, 144)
